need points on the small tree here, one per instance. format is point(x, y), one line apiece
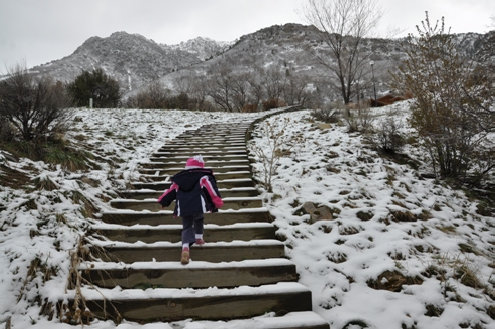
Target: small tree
point(276, 145)
point(103, 89)
point(451, 109)
point(34, 108)
point(345, 23)
point(153, 97)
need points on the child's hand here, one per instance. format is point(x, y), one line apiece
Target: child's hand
point(218, 203)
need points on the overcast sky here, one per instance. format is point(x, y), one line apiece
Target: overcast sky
point(34, 32)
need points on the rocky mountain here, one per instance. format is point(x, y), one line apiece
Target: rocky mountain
point(202, 48)
point(291, 49)
point(135, 60)
point(130, 58)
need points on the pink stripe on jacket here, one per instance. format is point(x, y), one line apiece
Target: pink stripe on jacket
point(205, 182)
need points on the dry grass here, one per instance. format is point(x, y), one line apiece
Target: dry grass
point(77, 311)
point(392, 281)
point(458, 267)
point(12, 178)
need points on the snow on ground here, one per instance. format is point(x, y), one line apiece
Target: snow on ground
point(400, 252)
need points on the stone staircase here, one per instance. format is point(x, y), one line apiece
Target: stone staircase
point(241, 272)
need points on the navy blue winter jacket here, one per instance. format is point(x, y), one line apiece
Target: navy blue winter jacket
point(195, 192)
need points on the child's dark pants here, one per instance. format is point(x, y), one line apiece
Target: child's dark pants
point(191, 225)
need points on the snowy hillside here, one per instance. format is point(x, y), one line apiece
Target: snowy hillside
point(382, 246)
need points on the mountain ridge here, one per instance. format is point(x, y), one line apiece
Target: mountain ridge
point(135, 60)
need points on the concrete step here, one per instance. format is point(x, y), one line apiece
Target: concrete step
point(293, 320)
point(180, 164)
point(204, 153)
point(196, 150)
point(109, 251)
point(192, 144)
point(214, 133)
point(207, 158)
point(172, 233)
point(219, 130)
point(187, 140)
point(196, 275)
point(226, 193)
point(218, 176)
point(222, 217)
point(153, 205)
point(200, 134)
point(173, 171)
point(166, 305)
point(224, 183)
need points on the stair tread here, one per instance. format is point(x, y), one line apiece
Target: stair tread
point(169, 212)
point(219, 181)
point(147, 200)
point(168, 293)
point(166, 244)
point(145, 190)
point(192, 265)
point(105, 226)
point(292, 320)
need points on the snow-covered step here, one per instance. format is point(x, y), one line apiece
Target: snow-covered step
point(153, 205)
point(225, 129)
point(153, 194)
point(172, 232)
point(207, 158)
point(226, 135)
point(218, 176)
point(162, 304)
point(220, 131)
point(181, 148)
point(206, 143)
point(292, 320)
point(222, 217)
point(222, 183)
point(209, 139)
point(197, 274)
point(187, 152)
point(174, 170)
point(213, 163)
point(168, 252)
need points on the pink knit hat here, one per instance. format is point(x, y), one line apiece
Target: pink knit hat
point(195, 162)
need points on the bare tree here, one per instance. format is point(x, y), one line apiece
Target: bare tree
point(34, 107)
point(199, 91)
point(256, 90)
point(295, 89)
point(345, 23)
point(241, 91)
point(221, 88)
point(273, 83)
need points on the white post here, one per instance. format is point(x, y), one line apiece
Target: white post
point(90, 102)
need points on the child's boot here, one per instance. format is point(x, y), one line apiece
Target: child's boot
point(184, 256)
point(199, 239)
